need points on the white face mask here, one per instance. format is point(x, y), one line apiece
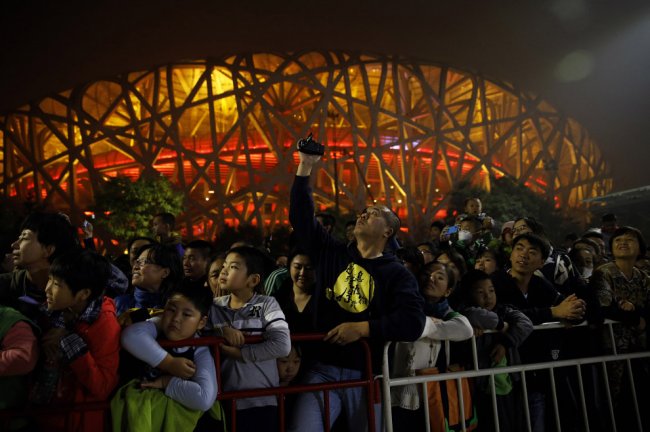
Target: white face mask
point(586, 272)
point(464, 235)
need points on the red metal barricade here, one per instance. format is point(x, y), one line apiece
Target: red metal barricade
point(367, 381)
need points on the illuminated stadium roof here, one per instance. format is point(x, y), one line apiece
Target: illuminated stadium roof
point(398, 131)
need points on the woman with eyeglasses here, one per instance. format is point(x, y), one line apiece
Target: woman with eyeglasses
point(156, 271)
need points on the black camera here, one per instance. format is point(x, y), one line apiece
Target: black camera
point(310, 146)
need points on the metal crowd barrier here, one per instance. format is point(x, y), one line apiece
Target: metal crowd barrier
point(388, 382)
point(7, 415)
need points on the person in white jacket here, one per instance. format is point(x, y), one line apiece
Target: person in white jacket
point(443, 323)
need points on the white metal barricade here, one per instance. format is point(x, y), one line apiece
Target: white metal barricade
point(388, 382)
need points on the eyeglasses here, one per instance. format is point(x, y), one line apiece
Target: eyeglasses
point(141, 262)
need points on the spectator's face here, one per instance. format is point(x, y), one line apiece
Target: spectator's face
point(195, 265)
point(473, 207)
point(526, 257)
point(213, 277)
point(281, 261)
point(444, 259)
point(427, 253)
point(28, 251)
point(625, 246)
point(159, 227)
point(181, 319)
point(434, 282)
point(487, 263)
point(234, 277)
point(483, 294)
point(146, 274)
point(585, 259)
point(288, 366)
point(371, 224)
point(134, 249)
point(302, 273)
point(59, 296)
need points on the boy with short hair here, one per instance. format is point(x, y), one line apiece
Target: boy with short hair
point(244, 311)
point(195, 384)
point(82, 344)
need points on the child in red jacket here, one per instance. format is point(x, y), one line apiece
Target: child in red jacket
point(81, 347)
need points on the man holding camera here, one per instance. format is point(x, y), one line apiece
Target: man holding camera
point(362, 291)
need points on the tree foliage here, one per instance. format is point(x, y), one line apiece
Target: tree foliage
point(124, 208)
point(509, 199)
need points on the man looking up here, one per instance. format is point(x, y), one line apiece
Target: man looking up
point(362, 291)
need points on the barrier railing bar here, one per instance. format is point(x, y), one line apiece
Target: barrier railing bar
point(385, 385)
point(461, 405)
point(609, 396)
point(524, 387)
point(425, 392)
point(326, 402)
point(556, 408)
point(395, 382)
point(583, 399)
point(495, 410)
point(633, 388)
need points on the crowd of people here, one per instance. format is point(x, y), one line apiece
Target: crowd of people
point(76, 327)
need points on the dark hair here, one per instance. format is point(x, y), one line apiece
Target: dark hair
point(468, 282)
point(167, 257)
point(571, 236)
point(297, 250)
point(428, 244)
point(535, 226)
point(257, 262)
point(202, 247)
point(328, 219)
point(167, 218)
point(52, 229)
point(536, 241)
point(82, 269)
point(437, 223)
point(200, 296)
point(629, 230)
point(608, 217)
point(135, 239)
point(411, 255)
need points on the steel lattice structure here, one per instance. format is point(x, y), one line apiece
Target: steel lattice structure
point(397, 131)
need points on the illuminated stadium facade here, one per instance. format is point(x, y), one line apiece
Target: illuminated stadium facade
point(397, 131)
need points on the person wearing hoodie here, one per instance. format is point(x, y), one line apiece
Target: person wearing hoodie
point(362, 291)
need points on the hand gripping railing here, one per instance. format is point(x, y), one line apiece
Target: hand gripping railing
point(388, 382)
point(367, 381)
